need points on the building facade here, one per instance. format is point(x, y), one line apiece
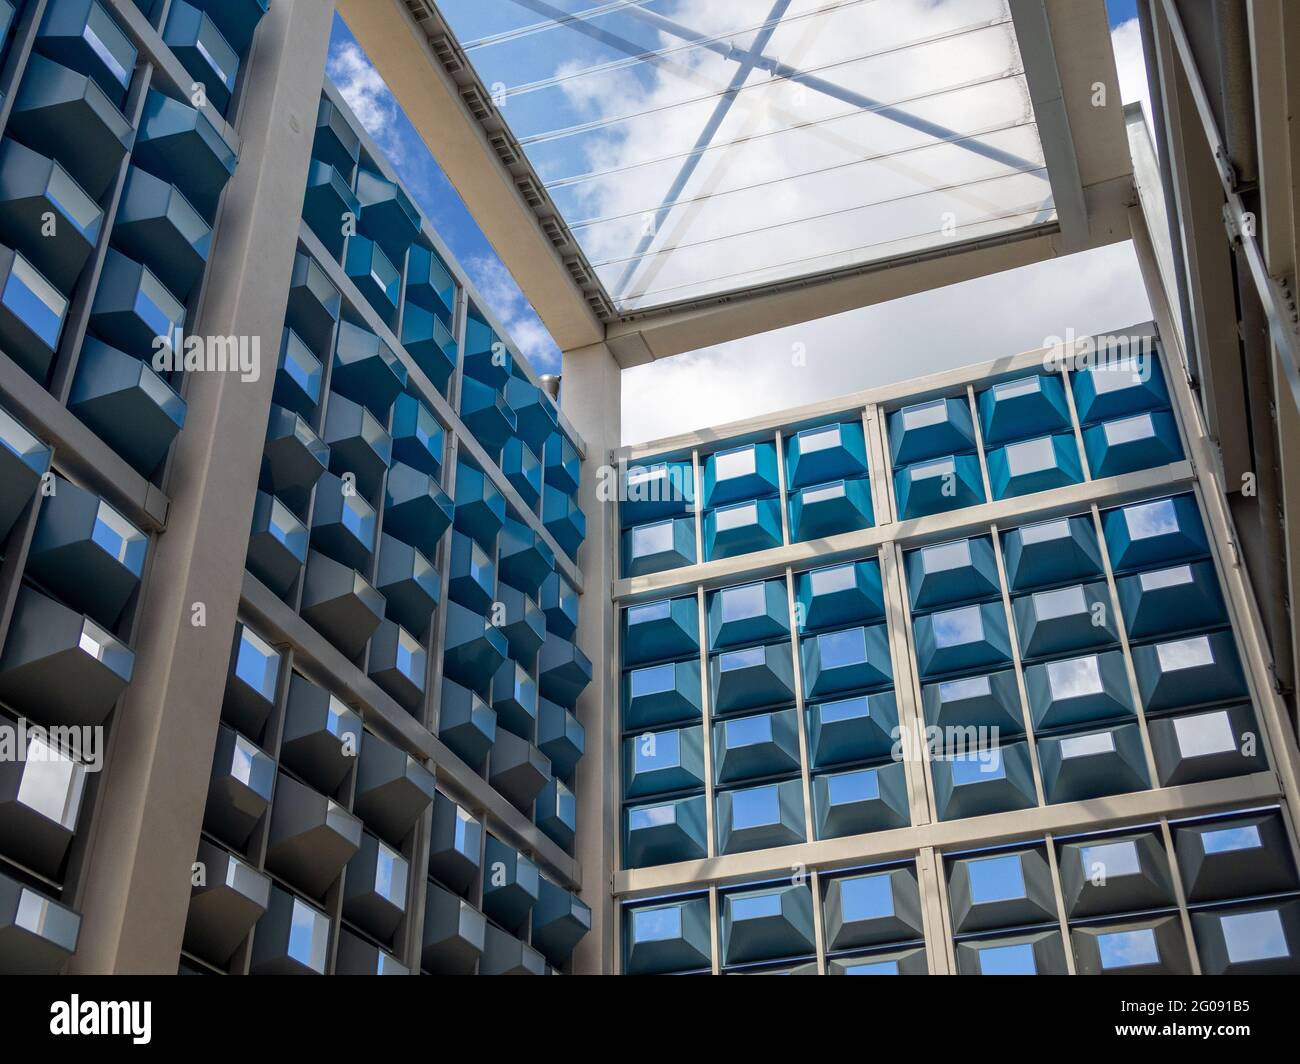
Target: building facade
point(331, 643)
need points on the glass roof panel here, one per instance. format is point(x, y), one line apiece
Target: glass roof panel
point(697, 148)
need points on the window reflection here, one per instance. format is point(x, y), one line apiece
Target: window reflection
point(308, 936)
point(390, 875)
point(1227, 840)
point(748, 731)
point(1151, 519)
point(824, 493)
point(866, 898)
point(994, 879)
point(257, 664)
point(52, 783)
point(653, 680)
point(840, 649)
point(1204, 734)
point(1008, 960)
point(1046, 532)
point(652, 539)
point(813, 440)
point(738, 463)
point(1074, 677)
point(848, 788)
point(962, 690)
point(661, 924)
point(833, 578)
point(651, 611)
point(1015, 389)
point(1111, 859)
point(873, 968)
point(923, 415)
point(1177, 576)
point(742, 659)
point(946, 556)
point(1128, 949)
point(659, 751)
point(740, 603)
point(943, 467)
point(844, 709)
point(119, 539)
point(755, 807)
point(1031, 456)
point(1181, 654)
point(754, 906)
point(977, 766)
point(1254, 936)
point(959, 627)
point(652, 816)
point(740, 516)
point(1067, 602)
point(1087, 745)
point(1129, 430)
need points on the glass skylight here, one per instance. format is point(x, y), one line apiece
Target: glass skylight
point(698, 148)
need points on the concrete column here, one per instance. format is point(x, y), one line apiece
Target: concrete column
point(151, 809)
point(591, 396)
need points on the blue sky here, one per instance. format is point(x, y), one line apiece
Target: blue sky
point(1121, 11)
point(437, 198)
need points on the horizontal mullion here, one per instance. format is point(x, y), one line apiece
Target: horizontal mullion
point(79, 451)
point(951, 835)
point(150, 43)
point(970, 520)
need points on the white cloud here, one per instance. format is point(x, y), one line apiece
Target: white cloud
point(795, 180)
point(364, 90)
point(1126, 39)
point(987, 318)
point(505, 299)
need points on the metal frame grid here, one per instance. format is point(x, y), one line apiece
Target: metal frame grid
point(1131, 916)
point(927, 840)
point(79, 455)
point(307, 652)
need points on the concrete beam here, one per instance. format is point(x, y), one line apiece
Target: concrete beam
point(400, 48)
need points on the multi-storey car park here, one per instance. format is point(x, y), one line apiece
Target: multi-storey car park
point(329, 648)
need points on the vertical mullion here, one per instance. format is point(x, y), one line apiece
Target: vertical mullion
point(922, 808)
point(1067, 945)
point(1013, 641)
point(706, 713)
point(782, 494)
point(1134, 691)
point(1075, 427)
point(715, 936)
point(979, 442)
point(1180, 895)
point(819, 920)
point(878, 466)
point(938, 941)
point(697, 480)
point(945, 912)
point(805, 759)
